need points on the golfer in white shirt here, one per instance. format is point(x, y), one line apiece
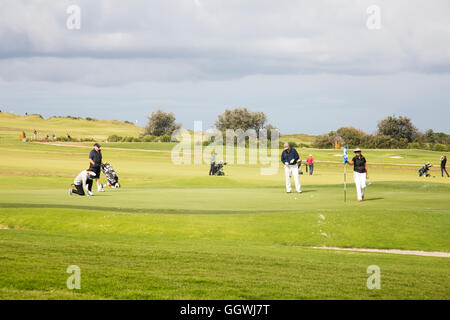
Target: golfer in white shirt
point(82, 183)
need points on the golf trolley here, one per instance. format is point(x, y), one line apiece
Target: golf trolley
point(111, 175)
point(218, 168)
point(424, 170)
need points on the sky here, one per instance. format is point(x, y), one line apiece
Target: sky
point(311, 66)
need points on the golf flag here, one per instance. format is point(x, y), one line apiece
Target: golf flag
point(344, 155)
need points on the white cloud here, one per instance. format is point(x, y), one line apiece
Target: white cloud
point(221, 39)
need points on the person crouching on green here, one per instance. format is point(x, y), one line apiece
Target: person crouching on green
point(82, 183)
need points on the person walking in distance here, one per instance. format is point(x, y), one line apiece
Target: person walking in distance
point(360, 173)
point(289, 158)
point(310, 163)
point(212, 163)
point(95, 161)
point(443, 164)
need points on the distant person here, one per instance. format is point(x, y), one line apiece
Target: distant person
point(69, 137)
point(23, 136)
point(35, 134)
point(83, 183)
point(289, 158)
point(54, 137)
point(212, 163)
point(95, 161)
point(310, 163)
point(443, 164)
point(360, 173)
point(46, 137)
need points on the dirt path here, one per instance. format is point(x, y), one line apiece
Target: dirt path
point(104, 148)
point(393, 251)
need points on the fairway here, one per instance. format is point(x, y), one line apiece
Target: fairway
point(172, 232)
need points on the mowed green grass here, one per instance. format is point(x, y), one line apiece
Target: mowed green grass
point(172, 232)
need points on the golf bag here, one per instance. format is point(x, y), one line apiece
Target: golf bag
point(218, 169)
point(299, 163)
point(111, 175)
point(424, 170)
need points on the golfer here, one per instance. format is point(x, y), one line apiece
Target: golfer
point(310, 163)
point(82, 183)
point(443, 164)
point(213, 163)
point(359, 173)
point(289, 157)
point(95, 161)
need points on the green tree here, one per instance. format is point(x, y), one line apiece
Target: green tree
point(241, 118)
point(161, 123)
point(397, 128)
point(352, 137)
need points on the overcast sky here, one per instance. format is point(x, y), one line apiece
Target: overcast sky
point(311, 66)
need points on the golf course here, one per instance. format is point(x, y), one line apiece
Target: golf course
point(173, 232)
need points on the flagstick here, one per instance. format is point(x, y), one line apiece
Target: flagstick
point(345, 182)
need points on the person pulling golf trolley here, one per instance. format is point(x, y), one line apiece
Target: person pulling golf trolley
point(95, 162)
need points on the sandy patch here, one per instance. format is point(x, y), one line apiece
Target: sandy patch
point(393, 251)
point(395, 157)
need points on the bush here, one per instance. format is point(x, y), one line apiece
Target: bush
point(90, 119)
point(87, 140)
point(73, 118)
point(114, 138)
point(324, 141)
point(148, 139)
point(64, 139)
point(165, 138)
point(439, 147)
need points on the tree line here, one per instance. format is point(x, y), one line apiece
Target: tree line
point(392, 133)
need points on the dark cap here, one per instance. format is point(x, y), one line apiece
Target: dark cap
point(97, 145)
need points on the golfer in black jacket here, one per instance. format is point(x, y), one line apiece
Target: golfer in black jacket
point(95, 161)
point(360, 173)
point(443, 164)
point(289, 158)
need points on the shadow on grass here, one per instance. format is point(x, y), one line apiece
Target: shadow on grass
point(132, 210)
point(373, 199)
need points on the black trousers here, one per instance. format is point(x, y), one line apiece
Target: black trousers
point(211, 169)
point(442, 171)
point(79, 188)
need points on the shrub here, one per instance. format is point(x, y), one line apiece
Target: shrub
point(439, 147)
point(148, 138)
point(114, 138)
point(87, 140)
point(324, 141)
point(165, 138)
point(90, 119)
